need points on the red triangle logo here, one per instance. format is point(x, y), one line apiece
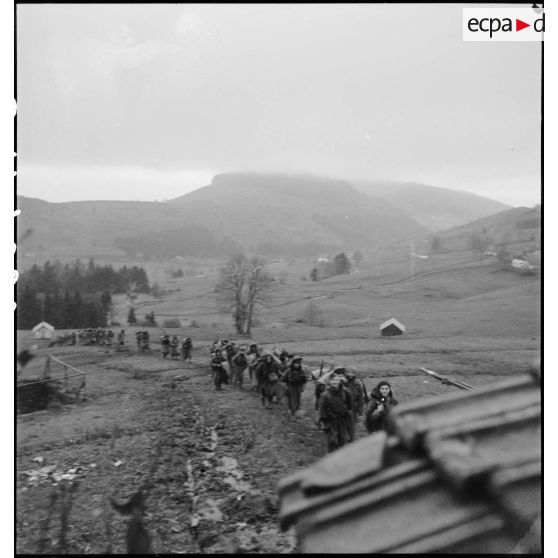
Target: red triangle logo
point(519, 25)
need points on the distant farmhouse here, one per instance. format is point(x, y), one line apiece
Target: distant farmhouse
point(43, 331)
point(392, 327)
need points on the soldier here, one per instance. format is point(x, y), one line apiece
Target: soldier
point(187, 349)
point(174, 347)
point(381, 401)
point(323, 381)
point(165, 344)
point(217, 369)
point(295, 379)
point(239, 364)
point(121, 338)
point(358, 395)
point(335, 414)
point(284, 356)
point(267, 373)
point(253, 355)
point(230, 352)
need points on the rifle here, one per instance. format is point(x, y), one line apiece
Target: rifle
point(366, 398)
point(448, 381)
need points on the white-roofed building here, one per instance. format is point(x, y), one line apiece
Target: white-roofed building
point(43, 331)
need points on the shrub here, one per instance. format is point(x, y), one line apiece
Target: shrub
point(173, 322)
point(193, 323)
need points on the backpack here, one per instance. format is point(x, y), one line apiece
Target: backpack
point(296, 376)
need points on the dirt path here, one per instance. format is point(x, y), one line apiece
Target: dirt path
point(212, 460)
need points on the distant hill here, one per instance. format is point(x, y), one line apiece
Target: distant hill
point(514, 230)
point(272, 214)
point(297, 215)
point(433, 207)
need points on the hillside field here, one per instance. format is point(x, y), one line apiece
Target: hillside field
point(217, 456)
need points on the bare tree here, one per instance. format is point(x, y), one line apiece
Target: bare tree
point(242, 285)
point(259, 284)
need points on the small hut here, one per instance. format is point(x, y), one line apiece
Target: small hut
point(392, 327)
point(43, 331)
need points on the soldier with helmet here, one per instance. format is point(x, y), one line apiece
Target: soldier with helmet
point(336, 414)
point(359, 397)
point(295, 380)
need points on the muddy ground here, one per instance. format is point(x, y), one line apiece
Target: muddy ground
point(211, 460)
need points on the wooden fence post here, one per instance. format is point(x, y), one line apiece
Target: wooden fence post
point(46, 371)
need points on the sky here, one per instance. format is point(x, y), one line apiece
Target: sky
point(148, 102)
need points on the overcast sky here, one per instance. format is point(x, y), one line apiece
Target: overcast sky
point(149, 101)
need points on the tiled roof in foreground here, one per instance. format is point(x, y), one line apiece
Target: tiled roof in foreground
point(459, 473)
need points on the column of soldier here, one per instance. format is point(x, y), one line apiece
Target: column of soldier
point(340, 398)
point(91, 336)
point(169, 346)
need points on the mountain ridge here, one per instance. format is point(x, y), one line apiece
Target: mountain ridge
point(271, 213)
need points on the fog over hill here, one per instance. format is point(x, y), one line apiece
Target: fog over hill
point(304, 214)
point(433, 207)
point(272, 214)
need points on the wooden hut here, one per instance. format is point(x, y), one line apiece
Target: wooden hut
point(392, 327)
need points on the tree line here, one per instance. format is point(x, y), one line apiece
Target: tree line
point(84, 278)
point(73, 296)
point(340, 265)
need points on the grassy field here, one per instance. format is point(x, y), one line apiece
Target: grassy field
point(468, 319)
